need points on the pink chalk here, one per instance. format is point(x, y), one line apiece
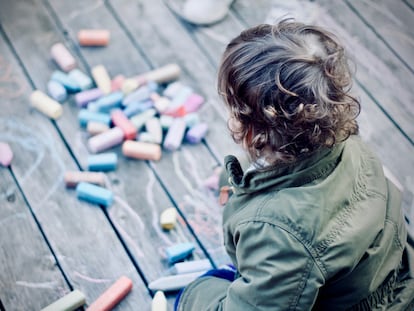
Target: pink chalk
point(112, 296)
point(116, 83)
point(193, 103)
point(106, 140)
point(6, 154)
point(120, 120)
point(62, 57)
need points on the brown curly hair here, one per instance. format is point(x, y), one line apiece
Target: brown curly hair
point(287, 88)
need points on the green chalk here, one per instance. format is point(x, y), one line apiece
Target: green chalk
point(71, 301)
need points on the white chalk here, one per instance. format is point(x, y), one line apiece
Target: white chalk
point(191, 266)
point(159, 302)
point(174, 282)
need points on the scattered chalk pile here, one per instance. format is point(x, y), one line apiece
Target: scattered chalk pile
point(145, 114)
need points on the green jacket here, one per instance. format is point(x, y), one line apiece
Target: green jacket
point(326, 233)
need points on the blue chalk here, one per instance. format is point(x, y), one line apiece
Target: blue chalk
point(103, 162)
point(107, 103)
point(84, 116)
point(94, 194)
point(140, 94)
point(137, 107)
point(56, 90)
point(69, 84)
point(84, 81)
point(179, 252)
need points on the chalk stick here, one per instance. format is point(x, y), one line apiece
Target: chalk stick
point(57, 91)
point(196, 133)
point(141, 150)
point(64, 79)
point(93, 37)
point(174, 282)
point(191, 119)
point(103, 162)
point(181, 96)
point(153, 127)
point(83, 80)
point(6, 154)
point(116, 83)
point(107, 102)
point(94, 194)
point(102, 79)
point(162, 75)
point(137, 108)
point(140, 94)
point(159, 302)
point(63, 58)
point(120, 120)
point(168, 218)
point(146, 138)
point(193, 103)
point(173, 89)
point(129, 85)
point(161, 103)
point(166, 121)
point(179, 251)
point(106, 140)
point(175, 134)
point(46, 105)
point(95, 128)
point(72, 301)
point(73, 178)
point(112, 296)
point(85, 116)
point(83, 98)
point(140, 119)
point(191, 266)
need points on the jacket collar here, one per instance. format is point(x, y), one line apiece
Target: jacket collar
point(305, 169)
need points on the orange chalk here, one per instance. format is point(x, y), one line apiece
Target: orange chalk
point(141, 150)
point(112, 295)
point(93, 37)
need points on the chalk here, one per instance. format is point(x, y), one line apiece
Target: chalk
point(64, 79)
point(116, 83)
point(6, 154)
point(84, 81)
point(140, 94)
point(103, 162)
point(191, 119)
point(72, 301)
point(181, 96)
point(93, 37)
point(141, 150)
point(120, 120)
point(107, 102)
point(172, 89)
point(179, 252)
point(46, 105)
point(159, 302)
point(161, 75)
point(166, 121)
point(73, 178)
point(196, 133)
point(85, 116)
point(106, 140)
point(56, 90)
point(137, 108)
point(112, 296)
point(95, 128)
point(168, 218)
point(153, 127)
point(174, 282)
point(191, 266)
point(129, 85)
point(146, 137)
point(193, 103)
point(94, 194)
point(83, 98)
point(62, 57)
point(102, 79)
point(175, 134)
point(140, 119)
point(161, 103)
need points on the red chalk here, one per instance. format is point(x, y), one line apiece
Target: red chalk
point(112, 295)
point(93, 37)
point(6, 154)
point(120, 120)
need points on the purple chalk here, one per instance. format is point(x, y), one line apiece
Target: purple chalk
point(175, 134)
point(6, 154)
point(193, 103)
point(56, 90)
point(83, 98)
point(106, 140)
point(196, 133)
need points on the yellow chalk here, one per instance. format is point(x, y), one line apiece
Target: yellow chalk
point(102, 79)
point(168, 218)
point(46, 105)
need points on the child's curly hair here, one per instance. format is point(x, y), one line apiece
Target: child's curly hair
point(287, 87)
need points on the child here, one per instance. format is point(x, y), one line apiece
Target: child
point(313, 223)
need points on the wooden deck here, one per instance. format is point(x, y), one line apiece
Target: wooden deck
point(51, 242)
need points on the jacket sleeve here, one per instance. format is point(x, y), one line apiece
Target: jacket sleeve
point(277, 272)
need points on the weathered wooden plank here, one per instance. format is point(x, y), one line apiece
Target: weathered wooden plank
point(29, 275)
point(409, 3)
point(139, 197)
point(80, 235)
